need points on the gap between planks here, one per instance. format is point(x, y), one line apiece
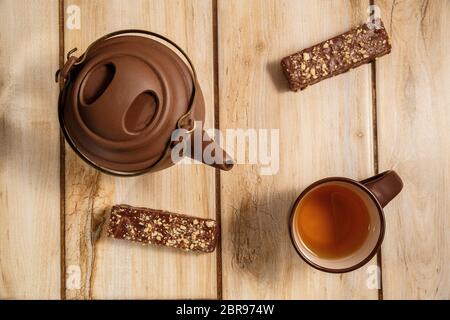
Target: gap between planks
point(62, 163)
point(375, 160)
point(217, 171)
point(375, 153)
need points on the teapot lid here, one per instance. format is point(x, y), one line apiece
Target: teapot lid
point(123, 99)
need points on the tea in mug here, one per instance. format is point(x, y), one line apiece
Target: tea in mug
point(332, 221)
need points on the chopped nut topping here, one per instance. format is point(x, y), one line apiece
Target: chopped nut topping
point(163, 228)
point(335, 56)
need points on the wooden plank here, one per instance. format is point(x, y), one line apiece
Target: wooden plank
point(29, 160)
point(325, 130)
point(414, 121)
point(117, 269)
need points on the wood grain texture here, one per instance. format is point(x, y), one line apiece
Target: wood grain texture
point(413, 127)
point(325, 130)
point(119, 269)
point(29, 160)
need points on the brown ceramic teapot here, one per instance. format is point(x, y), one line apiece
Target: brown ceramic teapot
point(124, 97)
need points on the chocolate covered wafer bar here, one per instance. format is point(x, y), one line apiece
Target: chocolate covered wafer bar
point(337, 55)
point(158, 227)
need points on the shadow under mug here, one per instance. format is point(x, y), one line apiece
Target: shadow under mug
point(376, 192)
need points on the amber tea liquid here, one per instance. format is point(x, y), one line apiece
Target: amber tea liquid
point(332, 221)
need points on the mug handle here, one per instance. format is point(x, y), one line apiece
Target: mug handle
point(385, 186)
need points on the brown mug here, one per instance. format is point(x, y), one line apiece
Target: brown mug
point(374, 193)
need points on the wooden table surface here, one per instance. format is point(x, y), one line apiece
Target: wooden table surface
point(392, 114)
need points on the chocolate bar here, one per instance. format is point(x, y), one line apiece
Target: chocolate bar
point(158, 227)
point(335, 56)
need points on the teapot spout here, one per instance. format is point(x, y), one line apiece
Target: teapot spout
point(211, 153)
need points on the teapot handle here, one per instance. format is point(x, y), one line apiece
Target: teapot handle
point(81, 59)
